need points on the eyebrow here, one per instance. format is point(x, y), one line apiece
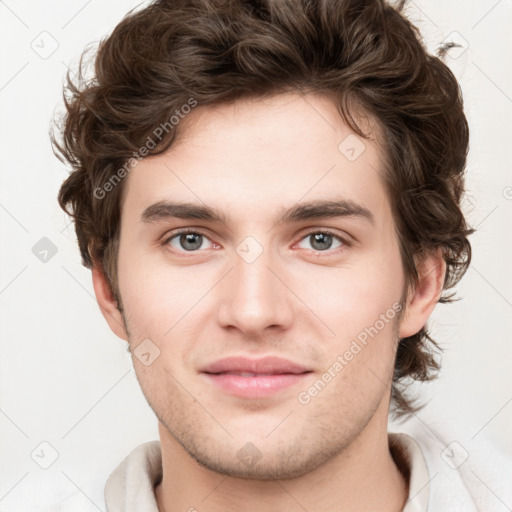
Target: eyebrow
point(317, 209)
point(325, 209)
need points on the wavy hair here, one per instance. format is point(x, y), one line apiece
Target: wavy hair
point(361, 53)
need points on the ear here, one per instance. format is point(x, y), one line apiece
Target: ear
point(424, 296)
point(107, 303)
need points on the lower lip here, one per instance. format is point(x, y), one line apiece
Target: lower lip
point(254, 387)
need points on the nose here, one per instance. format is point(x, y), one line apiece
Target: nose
point(254, 297)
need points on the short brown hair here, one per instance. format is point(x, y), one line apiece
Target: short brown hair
point(362, 53)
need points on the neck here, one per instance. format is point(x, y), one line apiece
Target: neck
point(364, 476)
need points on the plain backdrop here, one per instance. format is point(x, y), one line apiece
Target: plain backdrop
point(66, 381)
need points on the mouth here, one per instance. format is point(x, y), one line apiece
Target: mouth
point(250, 378)
point(251, 374)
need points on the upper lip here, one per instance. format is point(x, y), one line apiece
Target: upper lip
point(265, 365)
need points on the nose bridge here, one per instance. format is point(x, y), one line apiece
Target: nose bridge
point(254, 298)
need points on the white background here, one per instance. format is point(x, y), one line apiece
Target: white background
point(67, 380)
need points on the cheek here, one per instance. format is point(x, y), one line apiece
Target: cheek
point(353, 298)
point(361, 362)
point(155, 295)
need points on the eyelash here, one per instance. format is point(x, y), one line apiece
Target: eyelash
point(316, 253)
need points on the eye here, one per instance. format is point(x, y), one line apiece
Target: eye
point(189, 241)
point(193, 241)
point(322, 241)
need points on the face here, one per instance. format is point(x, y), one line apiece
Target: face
point(278, 274)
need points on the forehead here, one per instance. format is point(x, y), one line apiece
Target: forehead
point(260, 155)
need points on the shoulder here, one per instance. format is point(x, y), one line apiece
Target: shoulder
point(462, 467)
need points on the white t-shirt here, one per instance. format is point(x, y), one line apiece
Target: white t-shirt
point(443, 477)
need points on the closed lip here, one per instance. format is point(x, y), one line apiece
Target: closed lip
point(269, 365)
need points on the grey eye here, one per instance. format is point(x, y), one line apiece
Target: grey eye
point(321, 241)
point(189, 241)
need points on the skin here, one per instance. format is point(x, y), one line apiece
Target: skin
point(252, 159)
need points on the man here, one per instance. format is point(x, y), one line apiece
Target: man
point(268, 196)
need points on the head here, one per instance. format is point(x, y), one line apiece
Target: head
point(249, 110)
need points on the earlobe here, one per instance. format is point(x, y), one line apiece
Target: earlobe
point(108, 303)
point(422, 300)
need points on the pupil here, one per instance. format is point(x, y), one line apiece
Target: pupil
point(322, 241)
point(190, 238)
